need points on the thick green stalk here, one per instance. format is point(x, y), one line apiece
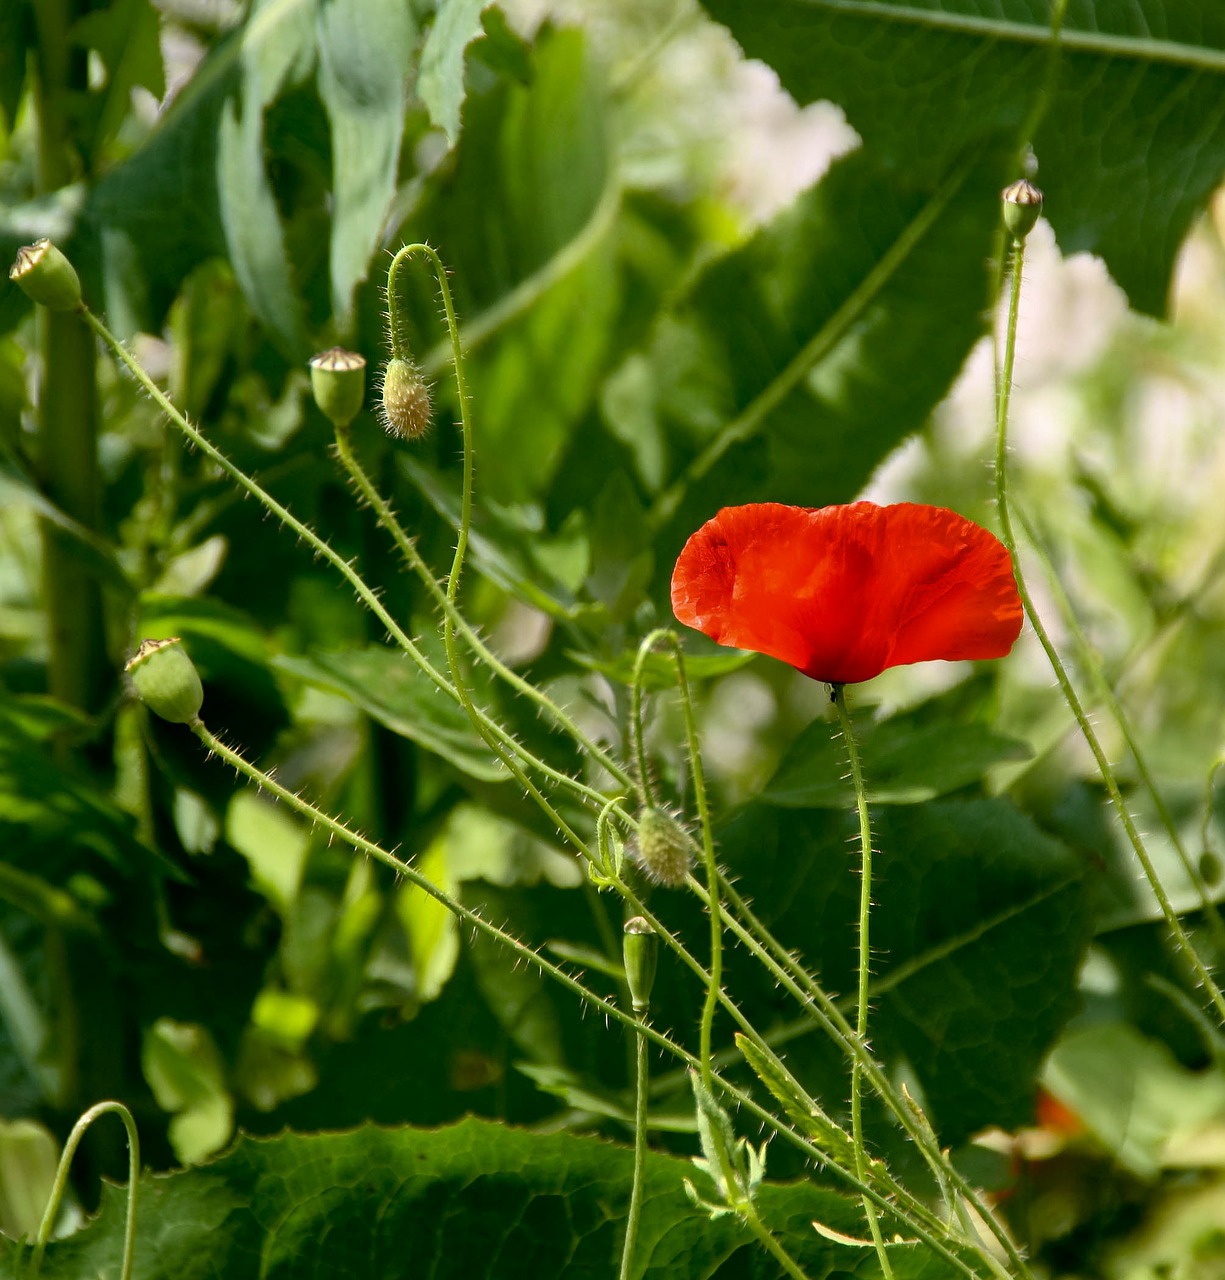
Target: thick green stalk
point(78, 670)
point(1184, 948)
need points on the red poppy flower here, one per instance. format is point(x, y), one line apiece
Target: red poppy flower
point(841, 593)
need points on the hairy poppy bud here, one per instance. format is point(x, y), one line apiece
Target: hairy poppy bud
point(406, 400)
point(338, 383)
point(640, 949)
point(1022, 208)
point(45, 276)
point(166, 681)
point(664, 849)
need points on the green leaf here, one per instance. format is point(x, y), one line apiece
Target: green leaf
point(978, 929)
point(659, 669)
point(1131, 143)
point(473, 1200)
point(799, 360)
point(125, 36)
point(904, 762)
point(390, 687)
point(365, 49)
point(276, 50)
point(440, 82)
point(1134, 1097)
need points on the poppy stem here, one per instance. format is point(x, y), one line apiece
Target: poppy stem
point(1197, 970)
point(838, 697)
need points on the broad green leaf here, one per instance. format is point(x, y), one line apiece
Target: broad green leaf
point(276, 50)
point(440, 82)
point(800, 359)
point(388, 686)
point(124, 35)
point(365, 50)
point(181, 1063)
point(978, 930)
point(1129, 146)
point(475, 1200)
point(904, 762)
point(1151, 1112)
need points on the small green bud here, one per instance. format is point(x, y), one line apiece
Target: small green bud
point(1210, 868)
point(640, 949)
point(406, 400)
point(1022, 208)
point(338, 383)
point(166, 681)
point(45, 276)
point(664, 849)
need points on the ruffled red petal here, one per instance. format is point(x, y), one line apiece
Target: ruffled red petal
point(844, 592)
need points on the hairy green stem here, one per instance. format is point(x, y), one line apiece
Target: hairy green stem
point(1184, 948)
point(838, 695)
point(61, 1181)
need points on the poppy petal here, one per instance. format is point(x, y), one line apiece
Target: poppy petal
point(843, 592)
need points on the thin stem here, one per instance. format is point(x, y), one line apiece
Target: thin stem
point(368, 598)
point(838, 695)
point(61, 1181)
point(643, 780)
point(641, 1094)
point(1102, 689)
point(748, 1211)
point(408, 549)
point(1197, 970)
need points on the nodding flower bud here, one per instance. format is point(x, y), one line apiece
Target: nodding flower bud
point(406, 400)
point(166, 681)
point(640, 950)
point(664, 849)
point(45, 276)
point(338, 383)
point(1022, 207)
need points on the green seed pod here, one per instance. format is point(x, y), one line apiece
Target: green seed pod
point(640, 949)
point(1210, 868)
point(166, 681)
point(1022, 203)
point(406, 400)
point(45, 276)
point(664, 849)
point(338, 382)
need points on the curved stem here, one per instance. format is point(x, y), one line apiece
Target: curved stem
point(1197, 970)
point(838, 696)
point(61, 1181)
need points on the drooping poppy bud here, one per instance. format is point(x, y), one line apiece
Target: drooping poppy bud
point(1022, 205)
point(842, 593)
point(664, 849)
point(640, 950)
point(338, 383)
point(45, 276)
point(406, 400)
point(166, 680)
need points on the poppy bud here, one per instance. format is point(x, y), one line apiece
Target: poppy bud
point(45, 276)
point(640, 949)
point(665, 850)
point(1210, 868)
point(166, 681)
point(1022, 208)
point(338, 383)
point(406, 400)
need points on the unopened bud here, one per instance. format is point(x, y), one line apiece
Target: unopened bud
point(664, 849)
point(1022, 203)
point(640, 949)
point(338, 382)
point(406, 400)
point(45, 276)
point(166, 680)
